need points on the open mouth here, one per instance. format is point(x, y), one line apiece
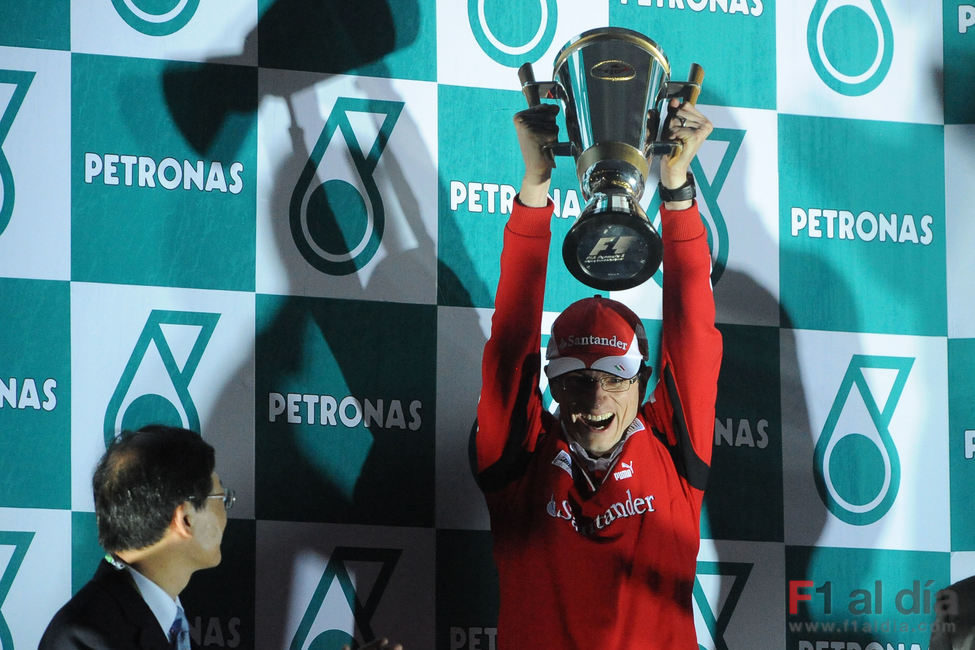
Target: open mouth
point(596, 422)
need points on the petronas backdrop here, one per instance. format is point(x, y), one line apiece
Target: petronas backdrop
point(278, 222)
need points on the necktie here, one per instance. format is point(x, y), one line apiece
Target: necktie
point(179, 632)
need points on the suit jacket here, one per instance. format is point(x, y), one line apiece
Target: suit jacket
point(107, 614)
point(954, 624)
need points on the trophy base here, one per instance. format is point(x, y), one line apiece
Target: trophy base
point(612, 246)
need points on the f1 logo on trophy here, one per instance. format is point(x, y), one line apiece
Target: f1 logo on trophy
point(612, 83)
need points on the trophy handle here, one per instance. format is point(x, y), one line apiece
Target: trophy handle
point(526, 75)
point(690, 90)
point(534, 91)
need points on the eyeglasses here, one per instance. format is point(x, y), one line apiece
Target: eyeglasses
point(228, 495)
point(578, 383)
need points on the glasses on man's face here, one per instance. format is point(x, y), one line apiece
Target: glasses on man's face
point(228, 495)
point(579, 383)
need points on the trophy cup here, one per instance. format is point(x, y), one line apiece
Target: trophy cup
point(612, 84)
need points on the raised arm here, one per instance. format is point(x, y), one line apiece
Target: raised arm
point(691, 345)
point(510, 406)
point(688, 125)
point(536, 129)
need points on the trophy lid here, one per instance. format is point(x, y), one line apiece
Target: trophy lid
point(606, 34)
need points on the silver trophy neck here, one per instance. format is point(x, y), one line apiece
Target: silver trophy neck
point(613, 176)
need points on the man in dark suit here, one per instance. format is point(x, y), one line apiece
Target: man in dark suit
point(161, 511)
point(954, 624)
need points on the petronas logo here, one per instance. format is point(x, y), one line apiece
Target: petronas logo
point(170, 346)
point(851, 44)
point(329, 608)
point(709, 189)
point(20, 80)
point(856, 465)
point(156, 17)
point(717, 616)
point(508, 41)
point(337, 214)
point(21, 542)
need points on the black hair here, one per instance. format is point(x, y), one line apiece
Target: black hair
point(142, 478)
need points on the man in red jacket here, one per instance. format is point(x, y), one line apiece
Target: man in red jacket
point(595, 510)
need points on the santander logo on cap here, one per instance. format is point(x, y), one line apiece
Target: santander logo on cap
point(593, 339)
point(598, 334)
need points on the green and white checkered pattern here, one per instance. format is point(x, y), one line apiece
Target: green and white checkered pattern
point(279, 221)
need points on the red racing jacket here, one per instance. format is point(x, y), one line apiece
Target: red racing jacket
point(612, 567)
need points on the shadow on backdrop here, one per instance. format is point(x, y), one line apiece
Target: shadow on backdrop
point(395, 484)
point(324, 36)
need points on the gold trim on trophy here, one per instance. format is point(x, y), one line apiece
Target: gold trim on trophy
point(613, 70)
point(611, 151)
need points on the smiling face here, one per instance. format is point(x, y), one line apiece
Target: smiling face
point(594, 417)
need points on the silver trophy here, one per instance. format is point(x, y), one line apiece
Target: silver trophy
point(612, 84)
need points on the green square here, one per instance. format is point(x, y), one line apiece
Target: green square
point(467, 590)
point(376, 39)
point(747, 440)
point(345, 411)
point(859, 595)
point(961, 441)
point(191, 123)
point(43, 24)
point(859, 228)
point(479, 161)
point(719, 41)
point(35, 394)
